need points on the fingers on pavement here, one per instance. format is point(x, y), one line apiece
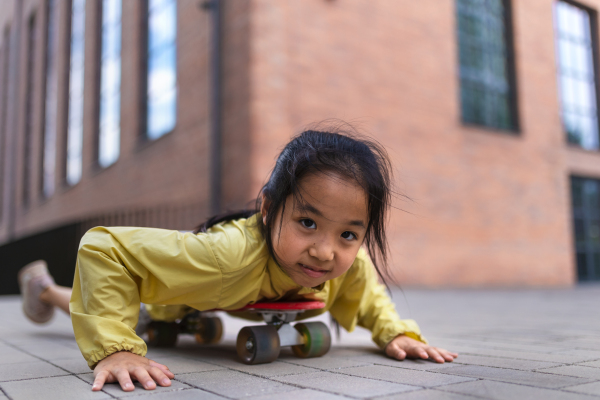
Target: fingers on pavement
point(99, 381)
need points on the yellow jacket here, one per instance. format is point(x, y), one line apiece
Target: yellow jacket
point(226, 268)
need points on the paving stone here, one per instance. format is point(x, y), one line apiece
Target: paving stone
point(493, 390)
point(354, 351)
point(593, 355)
point(427, 394)
point(275, 368)
point(73, 365)
point(114, 389)
point(185, 394)
point(53, 351)
point(233, 383)
point(28, 370)
point(566, 358)
point(537, 379)
point(301, 394)
point(59, 388)
point(345, 385)
point(511, 363)
point(182, 365)
point(589, 388)
point(328, 362)
point(594, 364)
point(424, 365)
point(403, 375)
point(574, 370)
point(9, 355)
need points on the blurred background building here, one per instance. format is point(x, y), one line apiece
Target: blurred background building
point(162, 112)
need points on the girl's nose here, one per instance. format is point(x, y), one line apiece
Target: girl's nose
point(322, 251)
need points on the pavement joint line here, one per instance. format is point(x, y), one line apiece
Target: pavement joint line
point(38, 377)
point(275, 381)
point(383, 380)
point(561, 389)
point(461, 393)
point(102, 390)
point(323, 369)
point(142, 392)
point(199, 388)
point(527, 359)
point(57, 366)
point(564, 390)
point(41, 359)
point(4, 393)
point(556, 389)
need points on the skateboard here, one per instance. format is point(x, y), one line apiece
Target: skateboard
point(261, 344)
point(255, 344)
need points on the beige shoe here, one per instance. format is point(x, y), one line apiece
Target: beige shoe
point(34, 278)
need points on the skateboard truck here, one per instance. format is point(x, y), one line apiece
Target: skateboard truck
point(262, 344)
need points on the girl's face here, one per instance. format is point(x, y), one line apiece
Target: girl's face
point(320, 237)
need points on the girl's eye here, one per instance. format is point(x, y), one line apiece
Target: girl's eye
point(349, 235)
point(308, 223)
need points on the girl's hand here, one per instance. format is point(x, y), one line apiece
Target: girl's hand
point(123, 366)
point(403, 346)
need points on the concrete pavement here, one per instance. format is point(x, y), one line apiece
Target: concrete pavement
point(513, 344)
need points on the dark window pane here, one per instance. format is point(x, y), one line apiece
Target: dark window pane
point(582, 266)
point(586, 224)
point(486, 90)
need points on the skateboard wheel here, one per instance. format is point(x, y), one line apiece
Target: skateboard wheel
point(317, 339)
point(210, 330)
point(258, 344)
point(162, 334)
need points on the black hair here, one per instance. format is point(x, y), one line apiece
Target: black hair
point(332, 152)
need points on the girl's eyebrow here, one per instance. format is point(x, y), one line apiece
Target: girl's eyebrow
point(309, 208)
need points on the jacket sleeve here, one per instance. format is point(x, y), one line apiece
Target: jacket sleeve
point(117, 268)
point(362, 300)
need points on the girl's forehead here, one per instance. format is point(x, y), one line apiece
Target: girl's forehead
point(333, 197)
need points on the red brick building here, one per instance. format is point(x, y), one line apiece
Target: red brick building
point(487, 109)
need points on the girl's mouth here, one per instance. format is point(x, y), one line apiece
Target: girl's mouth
point(312, 271)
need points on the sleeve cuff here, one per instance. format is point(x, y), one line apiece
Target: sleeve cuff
point(96, 356)
point(406, 327)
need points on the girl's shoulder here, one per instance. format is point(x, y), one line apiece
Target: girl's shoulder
point(237, 243)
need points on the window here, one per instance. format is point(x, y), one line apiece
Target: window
point(110, 84)
point(29, 118)
point(76, 79)
point(576, 77)
point(50, 110)
point(161, 107)
point(487, 91)
point(585, 196)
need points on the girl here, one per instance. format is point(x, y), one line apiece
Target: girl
point(317, 233)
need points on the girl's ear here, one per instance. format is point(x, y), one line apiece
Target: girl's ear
point(263, 208)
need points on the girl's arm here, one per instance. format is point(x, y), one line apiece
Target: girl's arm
point(363, 301)
point(117, 268)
